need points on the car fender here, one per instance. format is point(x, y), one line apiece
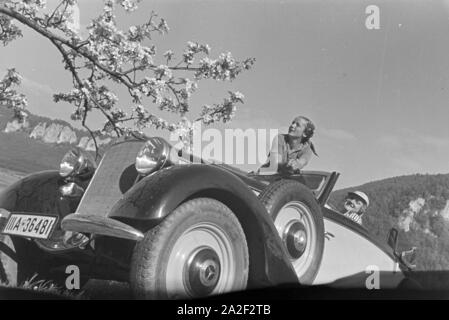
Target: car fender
point(38, 193)
point(156, 196)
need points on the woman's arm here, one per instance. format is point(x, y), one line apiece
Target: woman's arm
point(299, 163)
point(274, 158)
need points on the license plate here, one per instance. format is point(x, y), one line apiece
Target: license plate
point(28, 225)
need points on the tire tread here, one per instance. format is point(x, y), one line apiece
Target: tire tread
point(147, 252)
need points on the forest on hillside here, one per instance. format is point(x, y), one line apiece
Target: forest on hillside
point(417, 205)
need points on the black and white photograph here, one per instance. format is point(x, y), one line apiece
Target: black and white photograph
point(204, 150)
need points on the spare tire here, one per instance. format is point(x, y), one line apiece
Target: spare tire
point(298, 218)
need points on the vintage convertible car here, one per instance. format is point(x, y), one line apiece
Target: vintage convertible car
point(176, 226)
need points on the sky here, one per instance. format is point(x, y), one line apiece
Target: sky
point(379, 98)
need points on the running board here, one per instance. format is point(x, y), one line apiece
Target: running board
point(89, 223)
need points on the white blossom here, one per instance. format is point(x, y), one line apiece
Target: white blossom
point(109, 59)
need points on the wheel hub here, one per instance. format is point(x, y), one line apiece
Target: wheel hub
point(202, 272)
point(295, 239)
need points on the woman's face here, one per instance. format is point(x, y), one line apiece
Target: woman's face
point(297, 127)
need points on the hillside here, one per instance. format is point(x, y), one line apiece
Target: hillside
point(418, 206)
point(40, 144)
point(8, 177)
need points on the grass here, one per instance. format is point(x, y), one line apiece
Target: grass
point(36, 289)
point(22, 154)
point(44, 289)
point(8, 177)
point(49, 287)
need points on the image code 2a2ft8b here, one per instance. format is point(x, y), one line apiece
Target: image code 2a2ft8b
point(33, 226)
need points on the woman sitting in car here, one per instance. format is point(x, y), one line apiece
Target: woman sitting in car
point(290, 152)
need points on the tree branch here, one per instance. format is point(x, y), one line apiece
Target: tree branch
point(51, 36)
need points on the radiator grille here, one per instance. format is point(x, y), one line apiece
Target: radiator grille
point(114, 176)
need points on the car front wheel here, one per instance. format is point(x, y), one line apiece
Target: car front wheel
point(198, 250)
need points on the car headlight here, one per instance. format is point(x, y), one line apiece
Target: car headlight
point(152, 156)
point(77, 163)
point(71, 190)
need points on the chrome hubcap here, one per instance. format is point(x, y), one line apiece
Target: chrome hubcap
point(295, 239)
point(202, 272)
point(296, 227)
point(201, 263)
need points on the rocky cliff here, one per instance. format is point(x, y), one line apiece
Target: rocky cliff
point(407, 218)
point(89, 144)
point(52, 132)
point(15, 125)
